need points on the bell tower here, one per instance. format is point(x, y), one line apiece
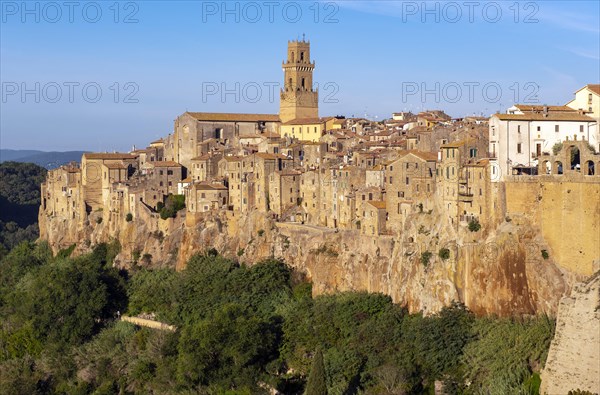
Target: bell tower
point(298, 99)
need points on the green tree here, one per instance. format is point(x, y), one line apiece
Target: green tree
point(317, 383)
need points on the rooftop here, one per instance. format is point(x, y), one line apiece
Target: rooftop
point(233, 117)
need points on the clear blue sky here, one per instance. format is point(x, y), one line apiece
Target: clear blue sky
point(371, 57)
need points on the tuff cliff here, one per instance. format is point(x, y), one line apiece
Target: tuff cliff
point(501, 271)
point(574, 356)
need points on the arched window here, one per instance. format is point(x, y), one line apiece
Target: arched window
point(303, 82)
point(292, 57)
point(301, 56)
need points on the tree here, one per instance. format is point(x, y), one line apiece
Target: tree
point(317, 384)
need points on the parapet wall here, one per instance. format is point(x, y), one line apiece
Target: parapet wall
point(567, 212)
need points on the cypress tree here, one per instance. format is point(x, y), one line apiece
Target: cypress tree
point(316, 384)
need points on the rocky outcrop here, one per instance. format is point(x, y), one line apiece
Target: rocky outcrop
point(574, 356)
point(500, 272)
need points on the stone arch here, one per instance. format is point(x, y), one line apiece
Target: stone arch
point(589, 168)
point(573, 157)
point(559, 167)
point(546, 167)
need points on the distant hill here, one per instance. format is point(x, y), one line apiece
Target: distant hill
point(19, 202)
point(48, 160)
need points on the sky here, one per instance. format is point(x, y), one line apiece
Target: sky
point(109, 75)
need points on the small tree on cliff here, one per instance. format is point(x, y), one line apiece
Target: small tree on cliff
point(316, 384)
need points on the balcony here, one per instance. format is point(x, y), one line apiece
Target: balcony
point(465, 197)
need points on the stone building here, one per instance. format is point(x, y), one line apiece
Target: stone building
point(99, 170)
point(205, 196)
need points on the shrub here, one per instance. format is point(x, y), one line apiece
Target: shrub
point(474, 225)
point(172, 205)
point(425, 257)
point(135, 255)
point(556, 148)
point(261, 232)
point(129, 217)
point(99, 220)
point(444, 253)
point(147, 258)
point(545, 254)
point(240, 252)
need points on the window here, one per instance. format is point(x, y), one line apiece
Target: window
point(556, 129)
point(390, 179)
point(539, 128)
point(580, 128)
point(518, 148)
point(519, 129)
point(169, 172)
point(407, 180)
point(160, 172)
point(203, 195)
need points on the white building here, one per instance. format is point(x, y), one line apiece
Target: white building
point(525, 132)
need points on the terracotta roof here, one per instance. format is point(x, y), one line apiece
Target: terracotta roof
point(115, 165)
point(187, 179)
point(528, 108)
point(427, 156)
point(209, 187)
point(266, 155)
point(377, 204)
point(233, 117)
point(108, 156)
point(592, 87)
point(159, 141)
point(306, 121)
point(233, 158)
point(456, 144)
point(551, 116)
point(201, 157)
point(166, 163)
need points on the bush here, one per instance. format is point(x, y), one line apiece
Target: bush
point(261, 232)
point(474, 225)
point(99, 220)
point(129, 217)
point(425, 257)
point(173, 204)
point(444, 253)
point(556, 148)
point(240, 252)
point(545, 254)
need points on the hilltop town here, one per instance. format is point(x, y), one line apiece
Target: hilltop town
point(424, 207)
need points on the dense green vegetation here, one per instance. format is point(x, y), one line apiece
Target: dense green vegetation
point(172, 205)
point(240, 330)
point(19, 203)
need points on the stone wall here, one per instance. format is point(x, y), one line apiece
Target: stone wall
point(567, 213)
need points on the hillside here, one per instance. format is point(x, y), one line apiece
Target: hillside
point(19, 202)
point(48, 160)
point(240, 330)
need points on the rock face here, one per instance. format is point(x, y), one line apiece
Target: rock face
point(501, 272)
point(574, 357)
